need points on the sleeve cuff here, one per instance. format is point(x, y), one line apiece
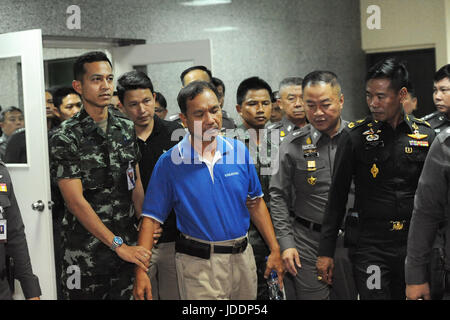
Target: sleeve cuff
point(416, 274)
point(31, 287)
point(149, 215)
point(253, 198)
point(286, 243)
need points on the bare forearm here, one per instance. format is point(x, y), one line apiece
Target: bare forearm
point(145, 238)
point(138, 194)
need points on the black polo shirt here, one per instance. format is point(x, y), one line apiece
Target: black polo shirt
point(156, 144)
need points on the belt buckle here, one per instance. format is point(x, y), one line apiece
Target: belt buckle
point(238, 246)
point(397, 225)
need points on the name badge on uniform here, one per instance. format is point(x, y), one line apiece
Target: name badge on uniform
point(3, 237)
point(312, 165)
point(130, 177)
point(3, 187)
point(310, 150)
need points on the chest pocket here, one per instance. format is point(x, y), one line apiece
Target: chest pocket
point(378, 154)
point(126, 155)
point(95, 167)
point(416, 154)
point(302, 165)
point(4, 201)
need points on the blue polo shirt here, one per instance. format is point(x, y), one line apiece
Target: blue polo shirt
point(210, 208)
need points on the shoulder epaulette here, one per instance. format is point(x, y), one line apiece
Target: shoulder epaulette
point(121, 116)
point(429, 116)
point(421, 121)
point(355, 124)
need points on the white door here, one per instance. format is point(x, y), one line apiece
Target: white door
point(21, 68)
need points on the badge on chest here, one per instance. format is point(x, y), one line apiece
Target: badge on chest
point(131, 179)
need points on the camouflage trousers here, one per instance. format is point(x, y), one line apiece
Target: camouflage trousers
point(113, 286)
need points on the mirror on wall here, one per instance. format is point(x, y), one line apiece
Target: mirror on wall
point(12, 120)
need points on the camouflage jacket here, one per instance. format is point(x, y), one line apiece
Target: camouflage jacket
point(81, 150)
point(262, 157)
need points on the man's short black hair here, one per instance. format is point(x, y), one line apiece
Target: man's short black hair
point(253, 83)
point(319, 76)
point(411, 90)
point(9, 109)
point(218, 83)
point(392, 69)
point(88, 57)
point(203, 68)
point(191, 91)
point(60, 93)
point(161, 100)
point(442, 73)
point(133, 80)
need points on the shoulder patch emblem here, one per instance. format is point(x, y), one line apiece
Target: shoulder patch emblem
point(351, 125)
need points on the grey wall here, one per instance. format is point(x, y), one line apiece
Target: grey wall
point(9, 83)
point(272, 39)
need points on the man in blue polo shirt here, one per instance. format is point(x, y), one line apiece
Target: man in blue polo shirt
point(206, 179)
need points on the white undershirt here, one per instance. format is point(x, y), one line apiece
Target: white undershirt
point(210, 165)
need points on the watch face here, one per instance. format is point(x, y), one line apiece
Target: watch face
point(118, 240)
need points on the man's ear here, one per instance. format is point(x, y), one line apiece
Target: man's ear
point(238, 108)
point(183, 119)
point(57, 112)
point(403, 94)
point(279, 103)
point(76, 85)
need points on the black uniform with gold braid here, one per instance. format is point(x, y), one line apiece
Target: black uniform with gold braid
point(385, 164)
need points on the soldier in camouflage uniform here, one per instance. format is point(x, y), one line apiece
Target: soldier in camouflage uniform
point(94, 160)
point(254, 106)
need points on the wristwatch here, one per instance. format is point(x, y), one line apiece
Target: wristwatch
point(117, 242)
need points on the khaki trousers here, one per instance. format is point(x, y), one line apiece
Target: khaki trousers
point(222, 277)
point(163, 273)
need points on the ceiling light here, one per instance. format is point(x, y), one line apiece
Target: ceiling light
point(198, 3)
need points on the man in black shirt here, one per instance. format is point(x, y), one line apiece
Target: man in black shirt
point(155, 136)
point(384, 155)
